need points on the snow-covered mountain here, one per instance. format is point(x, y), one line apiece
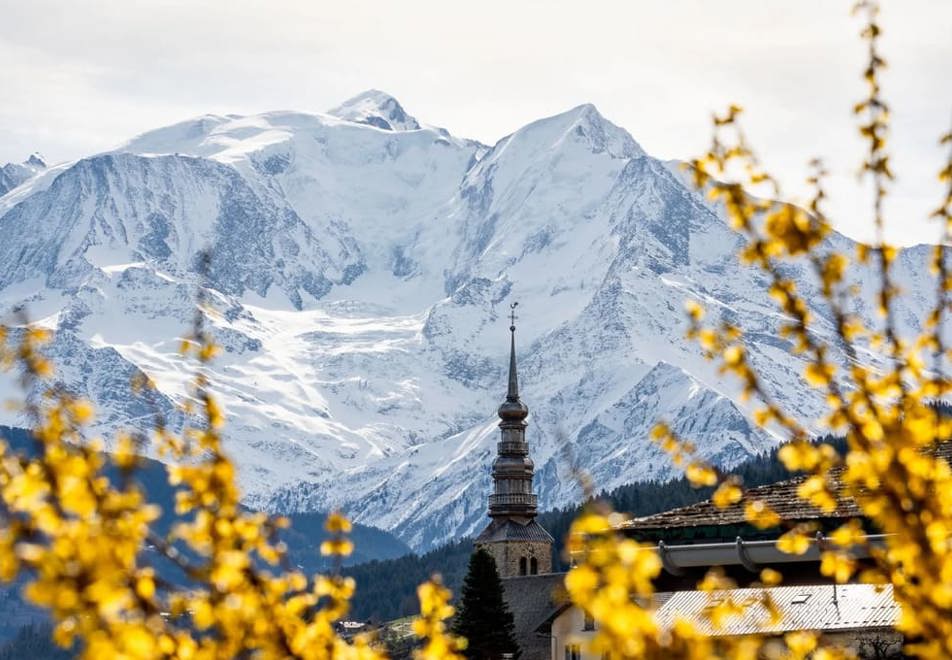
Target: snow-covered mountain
point(13, 174)
point(363, 263)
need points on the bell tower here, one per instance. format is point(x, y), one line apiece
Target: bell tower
point(516, 541)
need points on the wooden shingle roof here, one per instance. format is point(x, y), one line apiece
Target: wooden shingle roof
point(780, 496)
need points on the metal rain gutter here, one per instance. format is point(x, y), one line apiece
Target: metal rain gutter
point(750, 554)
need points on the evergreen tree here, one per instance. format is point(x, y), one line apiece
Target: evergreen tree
point(484, 618)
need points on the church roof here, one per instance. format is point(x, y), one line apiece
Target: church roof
point(535, 600)
point(506, 529)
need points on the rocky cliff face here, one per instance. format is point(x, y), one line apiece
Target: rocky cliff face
point(362, 267)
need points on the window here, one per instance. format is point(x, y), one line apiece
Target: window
point(589, 622)
point(533, 566)
point(800, 599)
point(522, 565)
point(573, 652)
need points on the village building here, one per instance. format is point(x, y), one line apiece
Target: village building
point(689, 540)
point(860, 616)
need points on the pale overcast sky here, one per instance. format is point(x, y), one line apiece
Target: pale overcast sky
point(79, 77)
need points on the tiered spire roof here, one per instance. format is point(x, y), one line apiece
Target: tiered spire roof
point(513, 469)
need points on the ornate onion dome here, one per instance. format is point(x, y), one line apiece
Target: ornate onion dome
point(513, 469)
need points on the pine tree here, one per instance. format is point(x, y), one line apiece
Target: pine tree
point(484, 618)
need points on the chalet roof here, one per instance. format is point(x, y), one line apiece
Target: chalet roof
point(506, 529)
point(780, 496)
point(811, 607)
point(823, 608)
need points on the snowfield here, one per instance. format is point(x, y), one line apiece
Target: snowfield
point(363, 264)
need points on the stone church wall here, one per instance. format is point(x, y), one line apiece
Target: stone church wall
point(509, 556)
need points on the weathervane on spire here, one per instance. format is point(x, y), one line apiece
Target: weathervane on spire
point(513, 395)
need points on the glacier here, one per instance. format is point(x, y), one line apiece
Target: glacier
point(362, 265)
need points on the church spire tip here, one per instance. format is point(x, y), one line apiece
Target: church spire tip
point(513, 393)
point(513, 411)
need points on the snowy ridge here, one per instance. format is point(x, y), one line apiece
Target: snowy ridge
point(362, 267)
point(376, 108)
point(14, 174)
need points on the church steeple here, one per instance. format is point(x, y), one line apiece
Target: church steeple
point(513, 411)
point(517, 542)
point(513, 394)
point(513, 469)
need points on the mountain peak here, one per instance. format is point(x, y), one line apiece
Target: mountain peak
point(603, 135)
point(14, 174)
point(376, 108)
point(582, 125)
point(35, 161)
